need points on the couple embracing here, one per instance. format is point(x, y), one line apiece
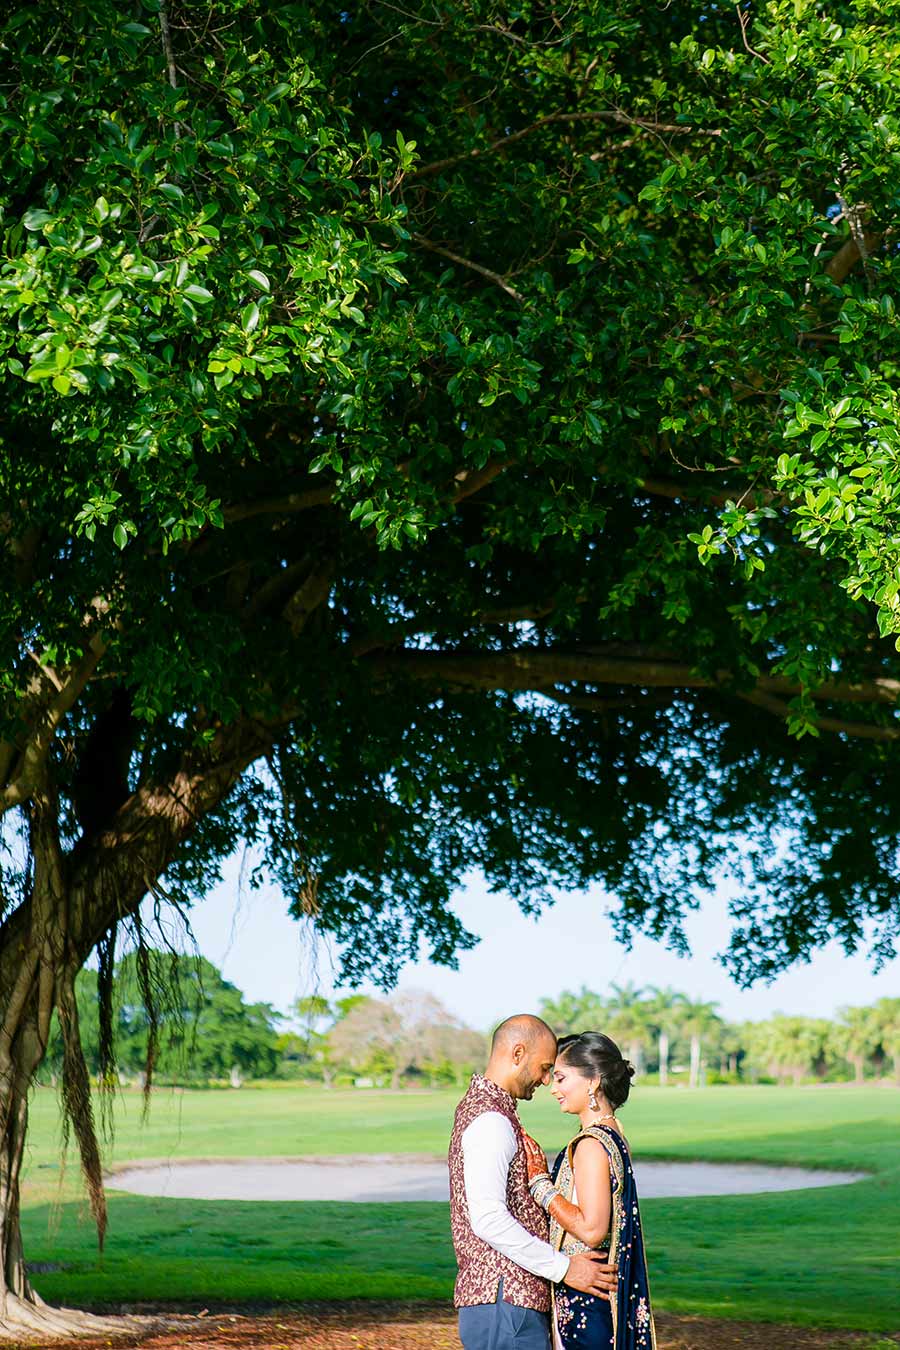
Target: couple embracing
point(547, 1258)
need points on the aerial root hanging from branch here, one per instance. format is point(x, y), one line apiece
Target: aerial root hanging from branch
point(78, 1108)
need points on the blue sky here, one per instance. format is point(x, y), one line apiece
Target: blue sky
point(521, 960)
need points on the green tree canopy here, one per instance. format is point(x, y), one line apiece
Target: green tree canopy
point(203, 1027)
point(446, 439)
point(199, 1026)
point(291, 461)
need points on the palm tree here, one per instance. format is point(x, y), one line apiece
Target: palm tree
point(730, 1047)
point(697, 1021)
point(315, 1013)
point(887, 1010)
point(755, 1044)
point(795, 1045)
point(627, 1021)
point(570, 1012)
point(663, 1010)
point(856, 1037)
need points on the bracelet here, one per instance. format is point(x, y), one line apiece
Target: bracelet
point(543, 1190)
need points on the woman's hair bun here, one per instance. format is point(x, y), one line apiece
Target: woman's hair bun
point(616, 1082)
point(597, 1056)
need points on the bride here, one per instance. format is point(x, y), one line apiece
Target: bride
point(592, 1200)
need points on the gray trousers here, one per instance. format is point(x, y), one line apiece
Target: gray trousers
point(503, 1326)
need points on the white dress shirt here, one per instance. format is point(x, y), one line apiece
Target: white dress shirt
point(489, 1146)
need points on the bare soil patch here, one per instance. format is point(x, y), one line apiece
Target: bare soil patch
point(422, 1327)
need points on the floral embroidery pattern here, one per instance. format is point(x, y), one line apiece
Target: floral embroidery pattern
point(481, 1267)
point(577, 1320)
point(626, 1323)
point(642, 1322)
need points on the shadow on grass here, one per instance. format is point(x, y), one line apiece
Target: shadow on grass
point(805, 1258)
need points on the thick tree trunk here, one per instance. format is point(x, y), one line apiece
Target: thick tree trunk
point(663, 1058)
point(43, 944)
point(23, 1314)
point(695, 1061)
point(14, 1115)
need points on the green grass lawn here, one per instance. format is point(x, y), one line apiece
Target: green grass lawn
point(828, 1258)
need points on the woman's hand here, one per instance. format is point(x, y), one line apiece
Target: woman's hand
point(535, 1158)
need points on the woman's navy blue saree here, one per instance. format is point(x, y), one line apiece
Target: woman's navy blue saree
point(581, 1321)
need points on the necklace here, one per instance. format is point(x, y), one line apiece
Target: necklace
point(607, 1117)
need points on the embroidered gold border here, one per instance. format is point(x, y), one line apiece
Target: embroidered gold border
point(565, 1183)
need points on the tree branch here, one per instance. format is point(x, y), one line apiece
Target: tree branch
point(848, 255)
point(495, 277)
point(658, 487)
point(593, 703)
point(308, 597)
point(744, 20)
point(395, 634)
point(110, 878)
point(24, 763)
point(613, 115)
point(168, 48)
point(470, 481)
point(542, 671)
point(287, 505)
point(274, 587)
point(858, 730)
point(522, 613)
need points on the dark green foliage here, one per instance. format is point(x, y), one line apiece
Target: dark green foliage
point(501, 407)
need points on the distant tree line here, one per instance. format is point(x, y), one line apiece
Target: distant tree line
point(406, 1040)
point(199, 1028)
point(203, 1030)
point(669, 1035)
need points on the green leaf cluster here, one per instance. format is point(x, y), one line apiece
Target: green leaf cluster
point(393, 333)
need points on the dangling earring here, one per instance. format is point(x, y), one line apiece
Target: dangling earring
point(592, 1100)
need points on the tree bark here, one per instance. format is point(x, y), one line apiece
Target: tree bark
point(44, 942)
point(23, 1313)
point(663, 1058)
point(26, 1013)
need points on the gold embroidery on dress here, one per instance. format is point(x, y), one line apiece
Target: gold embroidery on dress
point(565, 1184)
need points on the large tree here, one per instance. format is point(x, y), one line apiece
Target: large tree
point(438, 437)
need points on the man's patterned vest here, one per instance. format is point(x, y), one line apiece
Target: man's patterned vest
point(480, 1266)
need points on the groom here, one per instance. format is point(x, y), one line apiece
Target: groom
point(506, 1264)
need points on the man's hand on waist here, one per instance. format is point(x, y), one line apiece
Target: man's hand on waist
point(592, 1274)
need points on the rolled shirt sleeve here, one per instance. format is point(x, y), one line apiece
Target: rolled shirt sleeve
point(488, 1147)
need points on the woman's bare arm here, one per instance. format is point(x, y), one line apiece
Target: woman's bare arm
point(589, 1219)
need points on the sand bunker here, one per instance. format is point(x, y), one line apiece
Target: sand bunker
point(390, 1178)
